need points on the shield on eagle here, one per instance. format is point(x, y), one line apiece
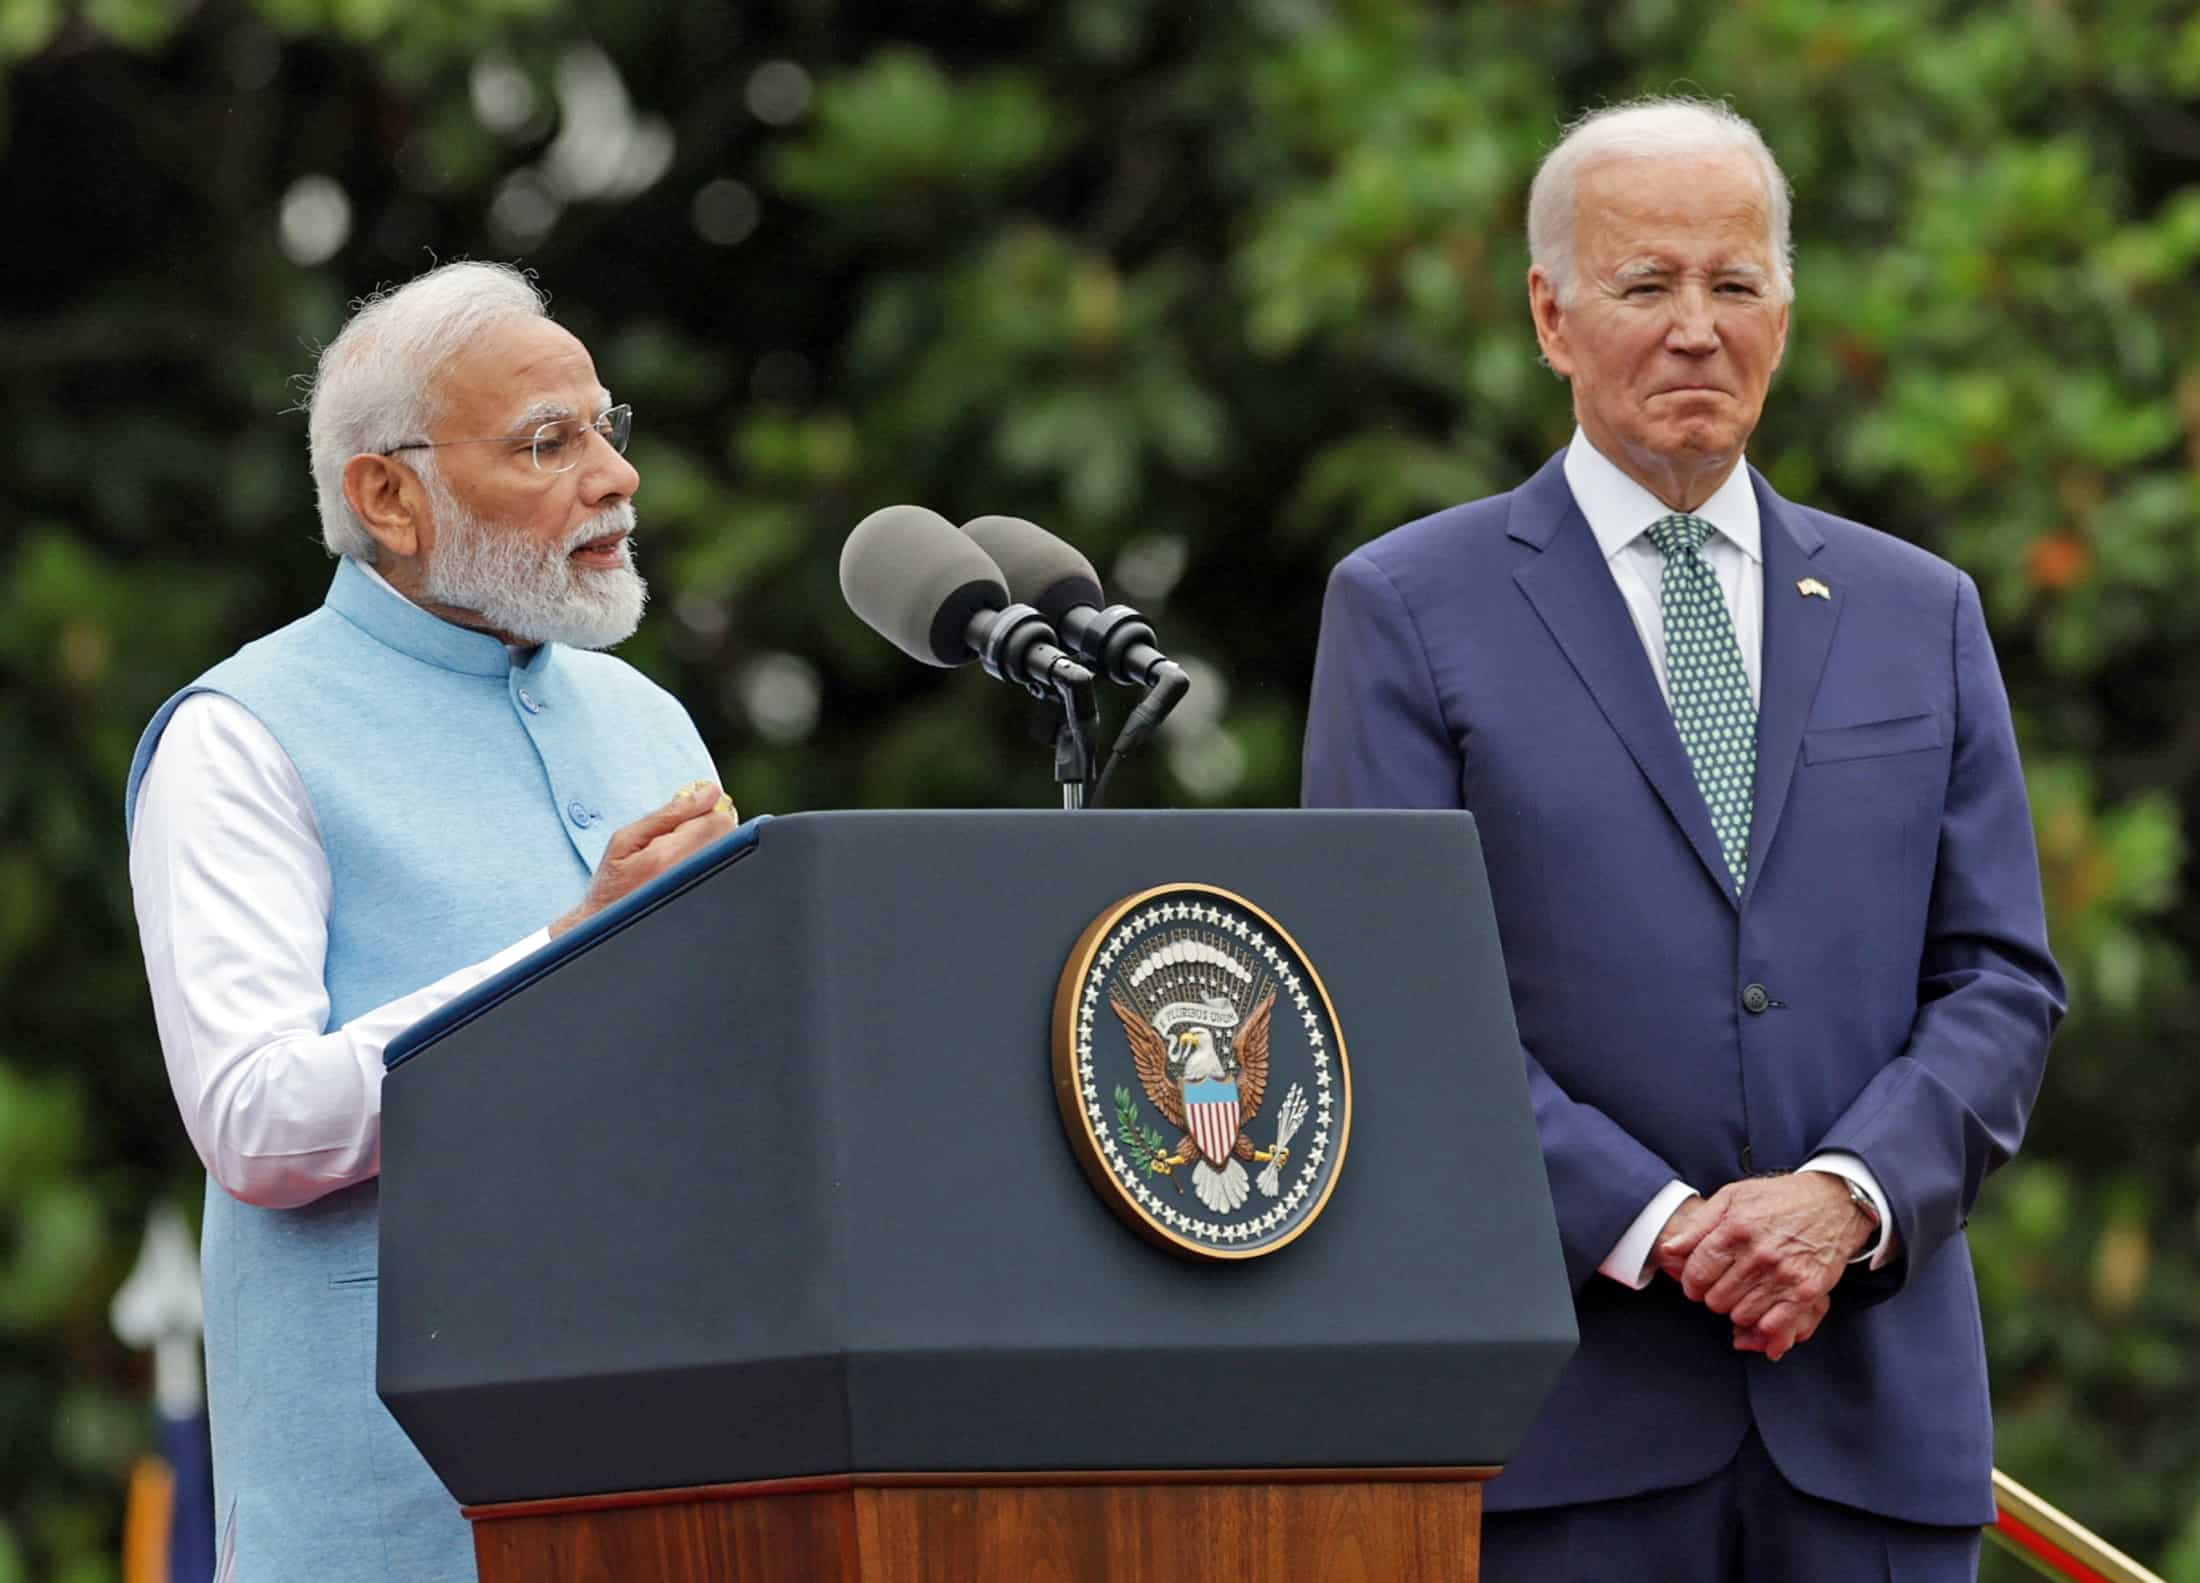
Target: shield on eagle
point(1211, 1111)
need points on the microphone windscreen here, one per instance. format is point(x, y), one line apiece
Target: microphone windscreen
point(1039, 568)
point(917, 582)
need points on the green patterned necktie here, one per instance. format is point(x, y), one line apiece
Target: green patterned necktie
point(1712, 705)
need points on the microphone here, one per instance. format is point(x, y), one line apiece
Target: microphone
point(1052, 575)
point(938, 597)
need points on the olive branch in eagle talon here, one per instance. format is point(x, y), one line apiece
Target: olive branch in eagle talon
point(1149, 1147)
point(1192, 1054)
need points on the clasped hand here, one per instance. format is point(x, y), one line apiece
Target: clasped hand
point(1765, 1252)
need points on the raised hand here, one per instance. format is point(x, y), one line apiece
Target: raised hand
point(641, 851)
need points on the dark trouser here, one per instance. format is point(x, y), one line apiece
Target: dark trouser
point(1744, 1524)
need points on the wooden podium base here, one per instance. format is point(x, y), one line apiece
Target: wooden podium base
point(1359, 1525)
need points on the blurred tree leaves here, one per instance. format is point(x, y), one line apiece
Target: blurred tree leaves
point(1219, 291)
point(899, 145)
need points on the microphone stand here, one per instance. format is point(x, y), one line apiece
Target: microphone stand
point(1016, 645)
point(1080, 716)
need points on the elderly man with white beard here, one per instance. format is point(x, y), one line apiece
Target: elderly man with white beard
point(358, 817)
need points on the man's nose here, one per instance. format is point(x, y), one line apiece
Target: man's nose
point(1695, 327)
point(607, 477)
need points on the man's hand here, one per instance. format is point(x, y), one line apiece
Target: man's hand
point(1786, 1327)
point(1681, 1234)
point(1782, 1327)
point(1776, 1247)
point(650, 845)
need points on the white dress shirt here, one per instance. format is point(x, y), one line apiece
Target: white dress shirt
point(231, 887)
point(1618, 509)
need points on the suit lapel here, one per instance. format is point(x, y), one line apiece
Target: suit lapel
point(1573, 592)
point(1798, 634)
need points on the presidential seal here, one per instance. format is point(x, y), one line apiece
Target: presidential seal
point(1200, 1072)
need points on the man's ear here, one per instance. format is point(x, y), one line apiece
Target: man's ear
point(386, 496)
point(1550, 320)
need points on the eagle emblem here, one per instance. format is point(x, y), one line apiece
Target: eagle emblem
point(1201, 1060)
point(1213, 1011)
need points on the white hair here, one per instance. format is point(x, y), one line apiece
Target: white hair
point(374, 386)
point(1650, 128)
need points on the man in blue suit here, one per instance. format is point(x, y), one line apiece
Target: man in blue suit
point(1757, 834)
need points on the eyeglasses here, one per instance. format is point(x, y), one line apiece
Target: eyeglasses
point(557, 446)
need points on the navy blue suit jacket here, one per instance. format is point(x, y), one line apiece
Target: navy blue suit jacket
point(1483, 658)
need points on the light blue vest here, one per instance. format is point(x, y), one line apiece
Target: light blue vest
point(463, 803)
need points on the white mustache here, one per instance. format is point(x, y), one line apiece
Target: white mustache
point(619, 519)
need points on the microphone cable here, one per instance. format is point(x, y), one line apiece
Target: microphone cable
point(1170, 684)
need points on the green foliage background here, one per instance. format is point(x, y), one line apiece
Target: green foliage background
point(1217, 290)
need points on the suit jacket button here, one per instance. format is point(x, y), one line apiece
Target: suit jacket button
point(1754, 998)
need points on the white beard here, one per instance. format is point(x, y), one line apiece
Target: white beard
point(532, 593)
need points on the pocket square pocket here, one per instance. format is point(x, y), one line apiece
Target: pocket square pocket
point(1871, 740)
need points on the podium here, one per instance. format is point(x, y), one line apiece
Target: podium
point(737, 1234)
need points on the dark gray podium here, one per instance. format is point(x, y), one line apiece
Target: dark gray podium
point(738, 1236)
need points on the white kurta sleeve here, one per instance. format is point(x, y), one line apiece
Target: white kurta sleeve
point(231, 887)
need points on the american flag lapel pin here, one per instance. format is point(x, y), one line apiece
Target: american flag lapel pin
point(1811, 587)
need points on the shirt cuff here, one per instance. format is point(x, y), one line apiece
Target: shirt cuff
point(371, 1031)
point(1851, 1168)
point(1629, 1261)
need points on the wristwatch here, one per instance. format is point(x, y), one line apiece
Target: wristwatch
point(1863, 1201)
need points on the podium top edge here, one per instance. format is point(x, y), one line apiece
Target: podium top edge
point(501, 986)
